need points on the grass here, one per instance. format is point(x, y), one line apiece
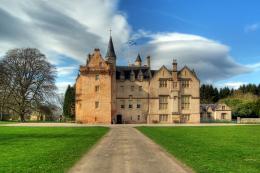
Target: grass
point(211, 149)
point(45, 149)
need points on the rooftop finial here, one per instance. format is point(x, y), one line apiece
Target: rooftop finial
point(110, 31)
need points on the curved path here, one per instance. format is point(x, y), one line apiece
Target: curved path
point(125, 150)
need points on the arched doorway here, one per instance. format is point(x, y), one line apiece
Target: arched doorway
point(119, 119)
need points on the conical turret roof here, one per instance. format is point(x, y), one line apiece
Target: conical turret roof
point(138, 58)
point(110, 49)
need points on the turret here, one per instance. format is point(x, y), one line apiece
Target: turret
point(111, 55)
point(138, 61)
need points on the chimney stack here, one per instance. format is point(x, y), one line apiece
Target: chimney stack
point(174, 70)
point(148, 59)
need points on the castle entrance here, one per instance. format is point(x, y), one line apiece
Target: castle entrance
point(119, 119)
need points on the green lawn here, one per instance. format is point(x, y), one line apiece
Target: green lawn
point(211, 149)
point(45, 149)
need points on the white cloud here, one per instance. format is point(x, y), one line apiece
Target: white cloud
point(63, 71)
point(72, 28)
point(209, 58)
point(234, 85)
point(252, 28)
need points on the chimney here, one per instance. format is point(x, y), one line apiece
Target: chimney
point(174, 65)
point(174, 70)
point(148, 59)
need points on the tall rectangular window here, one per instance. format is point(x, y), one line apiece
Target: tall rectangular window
point(130, 105)
point(96, 104)
point(185, 102)
point(97, 88)
point(163, 102)
point(162, 83)
point(138, 105)
point(122, 104)
point(163, 117)
point(185, 84)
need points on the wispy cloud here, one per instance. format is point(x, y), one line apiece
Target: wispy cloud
point(234, 85)
point(252, 28)
point(63, 71)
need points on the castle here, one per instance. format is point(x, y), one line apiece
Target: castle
point(107, 93)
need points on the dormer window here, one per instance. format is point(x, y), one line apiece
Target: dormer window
point(140, 76)
point(122, 76)
point(132, 76)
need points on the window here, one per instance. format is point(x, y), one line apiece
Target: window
point(132, 88)
point(223, 107)
point(140, 88)
point(185, 118)
point(185, 84)
point(185, 102)
point(138, 105)
point(163, 83)
point(163, 102)
point(209, 115)
point(130, 104)
point(97, 88)
point(122, 104)
point(163, 118)
point(96, 105)
point(223, 116)
point(97, 76)
point(138, 117)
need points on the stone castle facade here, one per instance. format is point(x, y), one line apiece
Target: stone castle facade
point(107, 93)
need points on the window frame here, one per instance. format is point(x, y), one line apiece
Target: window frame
point(163, 102)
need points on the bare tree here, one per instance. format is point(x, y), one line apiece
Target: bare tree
point(27, 80)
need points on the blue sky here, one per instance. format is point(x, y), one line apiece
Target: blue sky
point(220, 39)
point(235, 23)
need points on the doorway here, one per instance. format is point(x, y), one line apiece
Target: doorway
point(119, 119)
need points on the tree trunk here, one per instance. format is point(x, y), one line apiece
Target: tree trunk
point(22, 116)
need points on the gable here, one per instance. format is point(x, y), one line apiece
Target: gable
point(96, 61)
point(163, 72)
point(185, 72)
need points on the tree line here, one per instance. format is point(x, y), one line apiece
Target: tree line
point(244, 101)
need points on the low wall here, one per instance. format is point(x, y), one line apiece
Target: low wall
point(249, 120)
